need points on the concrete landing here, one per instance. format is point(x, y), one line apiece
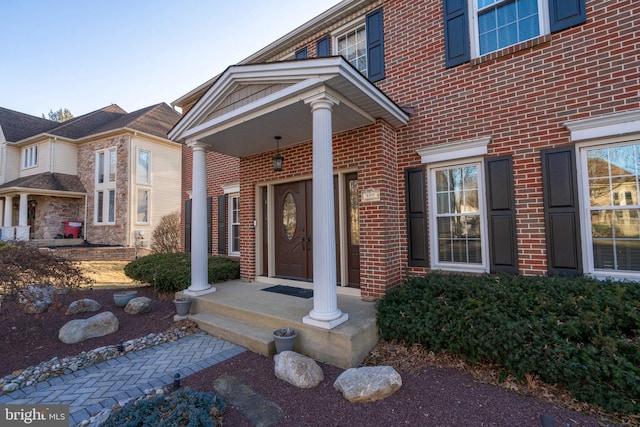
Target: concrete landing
point(244, 314)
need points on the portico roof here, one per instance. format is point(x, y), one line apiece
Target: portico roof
point(250, 104)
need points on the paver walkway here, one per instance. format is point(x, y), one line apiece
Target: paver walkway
point(90, 390)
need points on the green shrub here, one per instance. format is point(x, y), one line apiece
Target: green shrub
point(171, 272)
point(578, 332)
point(181, 408)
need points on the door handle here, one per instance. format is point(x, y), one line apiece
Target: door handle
point(308, 243)
point(302, 239)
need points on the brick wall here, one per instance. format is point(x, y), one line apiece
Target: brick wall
point(520, 97)
point(221, 170)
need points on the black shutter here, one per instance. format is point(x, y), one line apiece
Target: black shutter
point(322, 47)
point(302, 53)
point(561, 211)
point(566, 13)
point(503, 243)
point(456, 32)
point(187, 225)
point(375, 45)
point(416, 217)
point(209, 221)
point(222, 224)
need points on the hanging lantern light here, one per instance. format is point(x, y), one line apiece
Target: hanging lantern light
point(278, 158)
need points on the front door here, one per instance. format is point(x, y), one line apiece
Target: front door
point(293, 230)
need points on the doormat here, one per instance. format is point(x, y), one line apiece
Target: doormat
point(290, 290)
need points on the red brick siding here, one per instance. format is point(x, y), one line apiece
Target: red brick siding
point(520, 97)
point(221, 170)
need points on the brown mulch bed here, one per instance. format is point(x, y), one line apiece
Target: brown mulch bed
point(437, 390)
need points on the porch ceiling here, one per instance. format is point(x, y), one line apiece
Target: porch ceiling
point(250, 126)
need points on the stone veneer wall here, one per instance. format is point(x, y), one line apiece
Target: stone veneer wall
point(52, 211)
point(109, 234)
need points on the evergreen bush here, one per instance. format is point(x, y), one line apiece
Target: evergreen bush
point(171, 272)
point(578, 332)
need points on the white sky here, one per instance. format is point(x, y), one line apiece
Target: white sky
point(86, 54)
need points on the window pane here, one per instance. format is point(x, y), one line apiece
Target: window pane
point(505, 23)
point(112, 165)
point(353, 47)
point(235, 238)
point(99, 206)
point(458, 215)
point(143, 206)
point(100, 165)
point(112, 205)
point(613, 191)
point(143, 167)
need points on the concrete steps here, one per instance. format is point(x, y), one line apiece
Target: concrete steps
point(245, 315)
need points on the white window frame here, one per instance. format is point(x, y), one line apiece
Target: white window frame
point(456, 154)
point(585, 210)
point(147, 179)
point(30, 157)
point(230, 199)
point(105, 184)
point(105, 166)
point(483, 266)
point(351, 26)
point(108, 207)
point(544, 25)
point(146, 191)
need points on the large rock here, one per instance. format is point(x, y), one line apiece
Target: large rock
point(36, 299)
point(138, 305)
point(84, 305)
point(368, 384)
point(79, 330)
point(298, 370)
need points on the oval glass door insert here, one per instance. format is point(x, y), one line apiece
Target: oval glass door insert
point(289, 216)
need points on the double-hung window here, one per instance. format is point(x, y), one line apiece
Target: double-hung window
point(473, 28)
point(105, 187)
point(361, 42)
point(612, 185)
point(30, 157)
point(497, 24)
point(458, 218)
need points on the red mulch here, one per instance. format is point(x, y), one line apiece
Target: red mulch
point(430, 395)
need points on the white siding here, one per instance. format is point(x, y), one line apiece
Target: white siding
point(64, 158)
point(166, 173)
point(44, 159)
point(13, 163)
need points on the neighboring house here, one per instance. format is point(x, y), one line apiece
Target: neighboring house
point(472, 136)
point(106, 177)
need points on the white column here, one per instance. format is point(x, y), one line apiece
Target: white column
point(199, 268)
point(22, 230)
point(8, 211)
point(325, 313)
point(22, 215)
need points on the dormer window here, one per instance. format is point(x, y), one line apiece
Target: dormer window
point(30, 157)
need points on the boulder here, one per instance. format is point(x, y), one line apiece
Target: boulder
point(36, 299)
point(298, 370)
point(138, 305)
point(79, 330)
point(368, 384)
point(84, 305)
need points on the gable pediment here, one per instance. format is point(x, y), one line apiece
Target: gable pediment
point(244, 94)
